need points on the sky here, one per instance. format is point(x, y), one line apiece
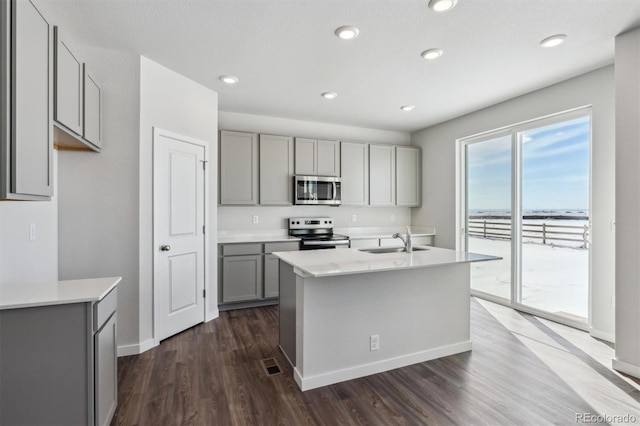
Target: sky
point(555, 169)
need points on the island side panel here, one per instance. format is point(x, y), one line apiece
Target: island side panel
point(418, 314)
point(287, 312)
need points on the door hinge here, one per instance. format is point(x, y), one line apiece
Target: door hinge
point(204, 293)
point(204, 229)
point(204, 164)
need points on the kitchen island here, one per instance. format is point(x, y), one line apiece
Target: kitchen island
point(346, 313)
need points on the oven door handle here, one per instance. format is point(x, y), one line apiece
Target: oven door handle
point(327, 243)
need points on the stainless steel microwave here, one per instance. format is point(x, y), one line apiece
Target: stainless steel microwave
point(317, 190)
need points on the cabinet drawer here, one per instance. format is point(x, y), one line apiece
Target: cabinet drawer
point(104, 308)
point(285, 246)
point(239, 249)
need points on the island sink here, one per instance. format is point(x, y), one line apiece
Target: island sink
point(378, 250)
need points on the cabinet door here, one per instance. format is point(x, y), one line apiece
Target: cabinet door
point(328, 158)
point(67, 85)
point(354, 159)
point(29, 148)
point(92, 129)
point(238, 168)
point(408, 176)
point(106, 372)
point(276, 170)
point(271, 276)
point(382, 175)
point(241, 278)
point(306, 152)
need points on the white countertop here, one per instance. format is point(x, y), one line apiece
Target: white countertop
point(355, 233)
point(362, 233)
point(266, 236)
point(324, 263)
point(55, 293)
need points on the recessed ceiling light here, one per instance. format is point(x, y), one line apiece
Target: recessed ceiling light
point(229, 79)
point(432, 53)
point(442, 5)
point(553, 41)
point(348, 32)
point(329, 95)
point(407, 107)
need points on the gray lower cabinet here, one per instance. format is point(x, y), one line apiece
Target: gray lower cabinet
point(59, 364)
point(26, 103)
point(271, 275)
point(241, 278)
point(249, 273)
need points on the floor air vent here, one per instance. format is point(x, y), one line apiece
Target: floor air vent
point(270, 366)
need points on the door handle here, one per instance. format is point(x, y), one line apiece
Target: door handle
point(165, 247)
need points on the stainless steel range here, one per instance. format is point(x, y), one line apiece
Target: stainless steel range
point(316, 233)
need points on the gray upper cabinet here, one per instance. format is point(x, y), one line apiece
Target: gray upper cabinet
point(328, 158)
point(382, 175)
point(78, 101)
point(355, 173)
point(306, 160)
point(317, 157)
point(68, 85)
point(92, 128)
point(276, 169)
point(238, 168)
point(408, 176)
point(26, 108)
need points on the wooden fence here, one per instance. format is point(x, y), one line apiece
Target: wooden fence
point(545, 232)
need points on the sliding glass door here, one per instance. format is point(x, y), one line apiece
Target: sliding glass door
point(525, 197)
point(488, 216)
point(555, 217)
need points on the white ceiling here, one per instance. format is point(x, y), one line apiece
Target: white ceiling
point(285, 52)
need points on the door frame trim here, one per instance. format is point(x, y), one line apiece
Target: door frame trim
point(158, 132)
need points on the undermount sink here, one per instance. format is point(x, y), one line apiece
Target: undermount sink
point(378, 250)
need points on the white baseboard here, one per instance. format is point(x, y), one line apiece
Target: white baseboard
point(598, 334)
point(307, 383)
point(625, 367)
point(136, 349)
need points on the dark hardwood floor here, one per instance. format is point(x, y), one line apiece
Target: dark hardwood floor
point(211, 374)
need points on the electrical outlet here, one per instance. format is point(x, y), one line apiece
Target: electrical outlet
point(256, 218)
point(32, 232)
point(353, 218)
point(393, 218)
point(374, 342)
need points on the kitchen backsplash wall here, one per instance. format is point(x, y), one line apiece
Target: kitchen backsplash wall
point(241, 218)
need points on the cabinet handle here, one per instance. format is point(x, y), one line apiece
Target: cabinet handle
point(165, 247)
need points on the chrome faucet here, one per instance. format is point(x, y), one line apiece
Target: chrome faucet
point(406, 241)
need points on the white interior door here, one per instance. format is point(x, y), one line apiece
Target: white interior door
point(179, 245)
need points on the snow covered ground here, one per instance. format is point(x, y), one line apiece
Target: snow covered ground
point(554, 278)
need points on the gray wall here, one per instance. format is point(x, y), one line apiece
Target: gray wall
point(240, 218)
point(628, 203)
point(98, 206)
point(439, 172)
